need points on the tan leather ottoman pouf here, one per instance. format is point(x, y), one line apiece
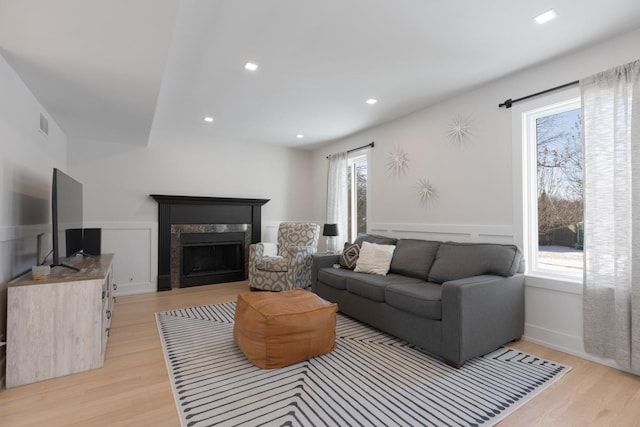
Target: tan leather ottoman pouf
point(276, 329)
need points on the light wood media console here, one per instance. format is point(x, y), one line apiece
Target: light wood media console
point(59, 325)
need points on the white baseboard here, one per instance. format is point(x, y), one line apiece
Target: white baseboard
point(553, 339)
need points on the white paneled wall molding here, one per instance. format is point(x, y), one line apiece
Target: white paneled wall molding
point(8, 234)
point(18, 247)
point(270, 231)
point(135, 245)
point(446, 232)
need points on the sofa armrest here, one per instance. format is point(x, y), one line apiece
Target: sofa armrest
point(479, 314)
point(321, 261)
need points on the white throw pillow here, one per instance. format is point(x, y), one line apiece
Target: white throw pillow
point(374, 258)
point(269, 249)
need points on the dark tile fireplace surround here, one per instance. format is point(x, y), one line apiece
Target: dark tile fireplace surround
point(203, 240)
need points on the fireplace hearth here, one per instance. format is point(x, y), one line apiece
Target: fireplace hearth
point(205, 240)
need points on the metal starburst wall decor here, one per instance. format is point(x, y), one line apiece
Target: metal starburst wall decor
point(426, 191)
point(398, 161)
point(459, 128)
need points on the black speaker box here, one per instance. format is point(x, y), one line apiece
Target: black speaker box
point(73, 241)
point(92, 241)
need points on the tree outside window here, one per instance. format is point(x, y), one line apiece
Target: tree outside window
point(357, 194)
point(556, 203)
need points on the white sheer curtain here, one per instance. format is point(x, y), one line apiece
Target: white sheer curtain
point(337, 208)
point(611, 125)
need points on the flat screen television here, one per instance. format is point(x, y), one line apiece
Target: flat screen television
point(66, 214)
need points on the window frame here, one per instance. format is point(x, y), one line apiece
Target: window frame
point(352, 158)
point(525, 187)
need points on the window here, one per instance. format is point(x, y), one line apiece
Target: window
point(357, 194)
point(553, 194)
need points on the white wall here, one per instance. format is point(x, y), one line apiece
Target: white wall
point(118, 179)
point(475, 180)
point(27, 162)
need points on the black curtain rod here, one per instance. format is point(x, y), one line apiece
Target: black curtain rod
point(509, 102)
point(372, 144)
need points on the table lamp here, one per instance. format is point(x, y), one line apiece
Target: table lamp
point(330, 231)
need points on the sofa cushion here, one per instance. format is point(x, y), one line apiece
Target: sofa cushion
point(334, 277)
point(374, 238)
point(422, 299)
point(458, 260)
point(374, 258)
point(372, 286)
point(414, 257)
point(349, 256)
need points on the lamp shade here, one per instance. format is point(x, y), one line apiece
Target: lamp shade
point(330, 230)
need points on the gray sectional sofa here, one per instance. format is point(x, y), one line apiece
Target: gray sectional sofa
point(455, 300)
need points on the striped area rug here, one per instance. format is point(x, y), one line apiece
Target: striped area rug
point(370, 379)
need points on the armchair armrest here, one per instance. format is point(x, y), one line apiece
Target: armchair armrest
point(298, 259)
point(479, 314)
point(261, 249)
point(321, 261)
point(256, 250)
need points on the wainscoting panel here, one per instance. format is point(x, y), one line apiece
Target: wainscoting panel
point(135, 245)
point(446, 232)
point(270, 231)
point(554, 319)
point(23, 232)
point(19, 245)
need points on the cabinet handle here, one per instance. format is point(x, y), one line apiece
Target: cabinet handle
point(115, 286)
point(108, 314)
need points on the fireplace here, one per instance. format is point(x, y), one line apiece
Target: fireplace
point(205, 255)
point(205, 240)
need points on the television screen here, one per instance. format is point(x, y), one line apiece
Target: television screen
point(66, 198)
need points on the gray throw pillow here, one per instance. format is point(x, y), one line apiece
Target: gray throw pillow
point(349, 256)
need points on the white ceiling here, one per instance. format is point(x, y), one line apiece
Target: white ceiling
point(112, 70)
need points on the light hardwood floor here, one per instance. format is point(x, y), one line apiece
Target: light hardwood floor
point(132, 389)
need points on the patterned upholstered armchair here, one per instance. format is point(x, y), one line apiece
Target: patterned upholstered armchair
point(289, 265)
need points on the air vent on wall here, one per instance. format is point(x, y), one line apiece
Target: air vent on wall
point(44, 124)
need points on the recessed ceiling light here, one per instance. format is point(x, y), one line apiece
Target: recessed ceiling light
point(546, 16)
point(371, 101)
point(208, 119)
point(250, 66)
point(299, 136)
